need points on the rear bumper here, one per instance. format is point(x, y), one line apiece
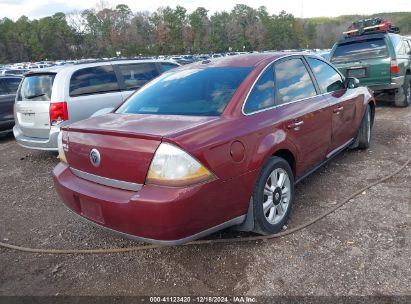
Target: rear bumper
point(159, 215)
point(396, 83)
point(49, 144)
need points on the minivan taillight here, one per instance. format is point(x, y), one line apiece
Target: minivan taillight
point(395, 69)
point(58, 112)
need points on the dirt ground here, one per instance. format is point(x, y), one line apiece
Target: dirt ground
point(362, 249)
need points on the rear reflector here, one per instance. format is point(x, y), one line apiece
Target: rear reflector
point(395, 69)
point(58, 112)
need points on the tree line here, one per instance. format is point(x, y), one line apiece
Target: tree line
point(104, 32)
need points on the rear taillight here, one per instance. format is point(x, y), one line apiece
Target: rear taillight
point(58, 112)
point(395, 69)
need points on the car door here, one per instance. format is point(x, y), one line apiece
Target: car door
point(307, 120)
point(344, 104)
point(9, 88)
point(6, 105)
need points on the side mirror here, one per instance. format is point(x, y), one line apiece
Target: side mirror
point(352, 83)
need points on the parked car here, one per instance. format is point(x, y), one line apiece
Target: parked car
point(380, 59)
point(8, 88)
point(211, 145)
point(54, 97)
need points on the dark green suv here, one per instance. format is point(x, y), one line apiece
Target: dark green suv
point(381, 61)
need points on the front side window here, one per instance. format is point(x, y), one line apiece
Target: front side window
point(358, 50)
point(138, 74)
point(328, 79)
point(262, 95)
point(293, 81)
point(196, 91)
point(93, 80)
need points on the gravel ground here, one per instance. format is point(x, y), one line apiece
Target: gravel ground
point(362, 249)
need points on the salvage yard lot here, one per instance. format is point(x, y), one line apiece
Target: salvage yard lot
point(362, 249)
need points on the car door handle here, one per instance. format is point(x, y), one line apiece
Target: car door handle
point(338, 109)
point(295, 125)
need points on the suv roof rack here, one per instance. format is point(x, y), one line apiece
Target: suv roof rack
point(371, 26)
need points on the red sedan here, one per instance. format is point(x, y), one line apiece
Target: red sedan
point(211, 145)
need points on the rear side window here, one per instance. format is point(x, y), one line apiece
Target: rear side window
point(398, 44)
point(12, 84)
point(357, 50)
point(165, 66)
point(195, 91)
point(293, 81)
point(262, 96)
point(137, 75)
point(328, 79)
point(407, 44)
point(36, 87)
point(95, 80)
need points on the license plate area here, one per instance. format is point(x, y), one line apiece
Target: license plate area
point(91, 210)
point(357, 72)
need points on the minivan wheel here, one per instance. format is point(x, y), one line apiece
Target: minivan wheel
point(273, 196)
point(403, 98)
point(364, 133)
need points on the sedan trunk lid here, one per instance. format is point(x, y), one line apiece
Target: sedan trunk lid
point(125, 143)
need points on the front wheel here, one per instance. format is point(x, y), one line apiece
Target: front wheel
point(273, 196)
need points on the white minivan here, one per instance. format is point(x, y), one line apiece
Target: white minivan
point(50, 98)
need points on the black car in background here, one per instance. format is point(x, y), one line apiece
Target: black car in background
point(8, 89)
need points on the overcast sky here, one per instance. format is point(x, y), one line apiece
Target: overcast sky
point(306, 8)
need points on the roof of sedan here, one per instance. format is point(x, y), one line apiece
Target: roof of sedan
point(246, 60)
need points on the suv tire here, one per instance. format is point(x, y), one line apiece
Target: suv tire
point(403, 98)
point(273, 196)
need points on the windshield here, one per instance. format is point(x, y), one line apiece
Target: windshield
point(36, 87)
point(358, 50)
point(198, 91)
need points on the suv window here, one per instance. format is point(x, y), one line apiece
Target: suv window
point(195, 91)
point(398, 44)
point(36, 87)
point(293, 81)
point(2, 89)
point(12, 84)
point(165, 66)
point(93, 80)
point(407, 44)
point(262, 96)
point(357, 50)
point(137, 74)
point(327, 77)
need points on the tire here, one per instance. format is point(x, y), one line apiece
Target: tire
point(364, 133)
point(269, 218)
point(403, 98)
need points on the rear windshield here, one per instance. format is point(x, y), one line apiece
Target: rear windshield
point(202, 92)
point(36, 87)
point(357, 50)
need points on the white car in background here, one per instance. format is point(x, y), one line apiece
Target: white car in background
point(50, 98)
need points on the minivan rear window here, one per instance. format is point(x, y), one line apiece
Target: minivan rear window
point(94, 80)
point(36, 87)
point(196, 91)
point(359, 50)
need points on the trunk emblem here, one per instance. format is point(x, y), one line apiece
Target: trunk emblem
point(95, 158)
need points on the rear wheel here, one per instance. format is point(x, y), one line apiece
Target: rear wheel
point(273, 196)
point(403, 98)
point(364, 133)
